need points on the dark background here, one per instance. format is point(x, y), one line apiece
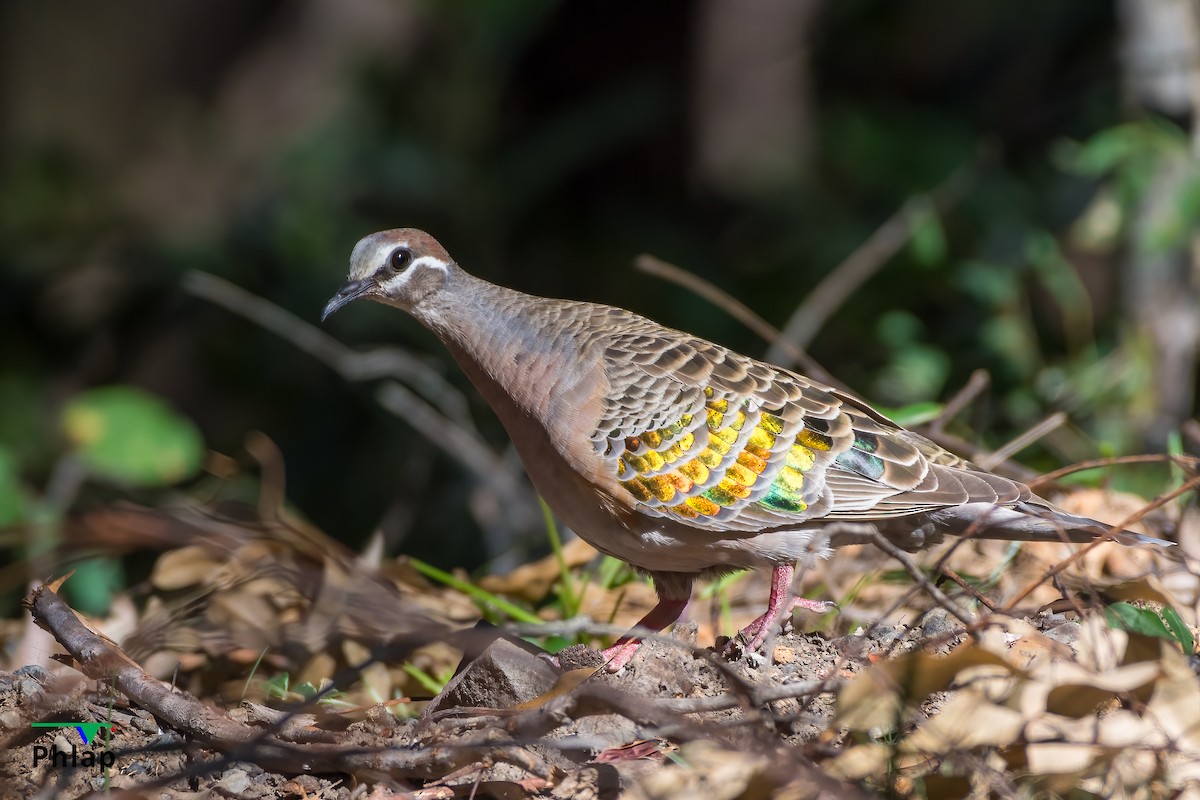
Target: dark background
point(546, 144)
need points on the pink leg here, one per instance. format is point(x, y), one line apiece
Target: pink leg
point(662, 615)
point(779, 605)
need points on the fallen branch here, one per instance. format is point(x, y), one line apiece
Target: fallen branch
point(101, 660)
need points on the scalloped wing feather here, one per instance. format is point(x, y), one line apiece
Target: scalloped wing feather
point(703, 436)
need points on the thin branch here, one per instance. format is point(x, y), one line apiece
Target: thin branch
point(101, 660)
point(1050, 423)
point(921, 578)
point(1132, 519)
point(968, 588)
point(353, 365)
point(436, 410)
point(867, 259)
point(735, 308)
point(760, 697)
point(1187, 463)
point(975, 385)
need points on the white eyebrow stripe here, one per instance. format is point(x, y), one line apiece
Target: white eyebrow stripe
point(432, 261)
point(392, 284)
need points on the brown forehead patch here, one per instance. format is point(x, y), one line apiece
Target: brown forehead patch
point(420, 242)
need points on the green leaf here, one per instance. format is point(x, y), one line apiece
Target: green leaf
point(430, 683)
point(1187, 201)
point(914, 413)
point(482, 597)
point(95, 582)
point(569, 597)
point(128, 436)
point(1106, 150)
point(1148, 622)
point(1179, 630)
point(278, 686)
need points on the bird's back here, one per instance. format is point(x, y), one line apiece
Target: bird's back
point(687, 430)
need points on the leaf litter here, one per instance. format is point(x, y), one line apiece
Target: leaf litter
point(263, 660)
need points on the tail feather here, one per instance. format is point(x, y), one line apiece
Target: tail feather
point(1033, 521)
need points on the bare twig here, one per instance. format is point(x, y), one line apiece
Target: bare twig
point(761, 696)
point(354, 366)
point(102, 660)
point(829, 295)
point(1132, 519)
point(968, 588)
point(1050, 423)
point(922, 579)
point(977, 383)
point(436, 409)
point(1187, 463)
point(735, 308)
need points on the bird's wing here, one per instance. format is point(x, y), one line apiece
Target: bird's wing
point(712, 439)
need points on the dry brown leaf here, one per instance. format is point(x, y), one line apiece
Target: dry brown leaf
point(967, 720)
point(877, 697)
point(1021, 644)
point(532, 582)
point(860, 761)
point(1072, 690)
point(178, 569)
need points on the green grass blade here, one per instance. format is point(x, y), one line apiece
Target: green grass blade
point(475, 593)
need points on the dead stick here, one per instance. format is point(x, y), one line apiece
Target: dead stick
point(922, 579)
point(1186, 462)
point(879, 248)
point(735, 308)
point(1161, 500)
point(101, 660)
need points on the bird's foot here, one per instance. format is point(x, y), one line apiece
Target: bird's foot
point(617, 656)
point(751, 637)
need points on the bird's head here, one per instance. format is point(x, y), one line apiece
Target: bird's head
point(399, 268)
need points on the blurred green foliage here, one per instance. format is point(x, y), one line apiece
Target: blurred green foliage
point(129, 437)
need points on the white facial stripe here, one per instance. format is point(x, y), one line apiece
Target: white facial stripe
point(392, 285)
point(428, 261)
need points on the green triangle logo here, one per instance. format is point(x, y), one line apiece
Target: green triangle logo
point(88, 731)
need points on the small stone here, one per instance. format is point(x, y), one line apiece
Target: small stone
point(503, 675)
point(1066, 632)
point(578, 656)
point(31, 680)
point(783, 655)
point(234, 781)
point(938, 623)
point(35, 671)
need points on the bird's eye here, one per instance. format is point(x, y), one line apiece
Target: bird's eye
point(400, 258)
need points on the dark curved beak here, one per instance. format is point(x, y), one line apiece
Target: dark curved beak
point(348, 293)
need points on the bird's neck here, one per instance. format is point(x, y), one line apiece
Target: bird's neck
point(514, 347)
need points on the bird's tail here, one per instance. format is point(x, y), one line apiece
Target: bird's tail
point(1033, 521)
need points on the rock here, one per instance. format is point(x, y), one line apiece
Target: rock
point(504, 674)
point(578, 656)
point(235, 781)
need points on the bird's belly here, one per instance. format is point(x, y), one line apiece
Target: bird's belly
point(660, 545)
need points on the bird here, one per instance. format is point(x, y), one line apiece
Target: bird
point(682, 457)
